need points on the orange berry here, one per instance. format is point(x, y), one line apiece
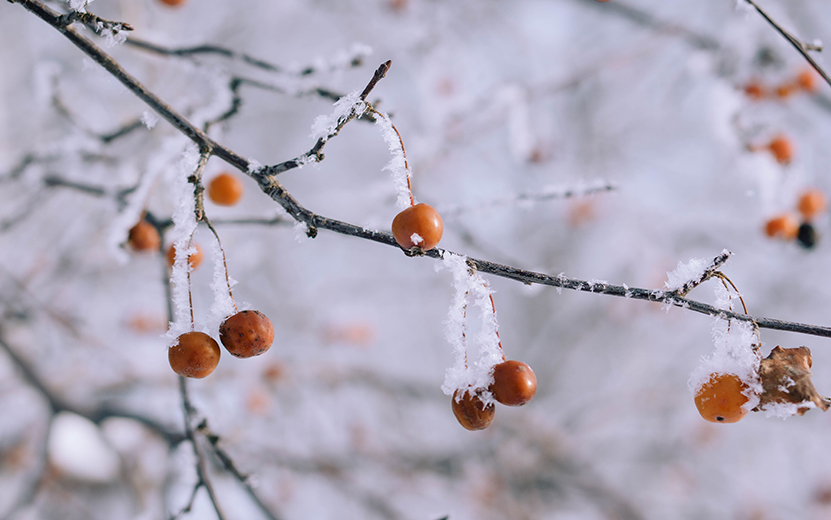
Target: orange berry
point(722, 399)
point(225, 189)
point(755, 90)
point(421, 220)
point(807, 80)
point(144, 237)
point(781, 148)
point(194, 259)
point(246, 334)
point(471, 412)
point(195, 355)
point(783, 226)
point(172, 3)
point(812, 203)
point(785, 90)
point(514, 383)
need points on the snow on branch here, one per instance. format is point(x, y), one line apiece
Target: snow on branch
point(687, 277)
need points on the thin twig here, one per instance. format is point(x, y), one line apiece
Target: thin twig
point(799, 45)
point(279, 194)
point(708, 272)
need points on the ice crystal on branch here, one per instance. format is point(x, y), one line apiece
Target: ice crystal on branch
point(464, 374)
point(184, 224)
point(398, 164)
point(346, 107)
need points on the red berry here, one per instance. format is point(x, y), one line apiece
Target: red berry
point(418, 226)
point(755, 90)
point(514, 383)
point(194, 259)
point(722, 399)
point(471, 412)
point(225, 189)
point(195, 355)
point(144, 237)
point(246, 334)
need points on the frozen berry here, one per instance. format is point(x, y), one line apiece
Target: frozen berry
point(471, 411)
point(194, 259)
point(144, 237)
point(782, 149)
point(418, 226)
point(722, 398)
point(246, 334)
point(812, 203)
point(195, 355)
point(755, 90)
point(514, 383)
point(806, 236)
point(225, 189)
point(783, 226)
point(807, 80)
point(785, 91)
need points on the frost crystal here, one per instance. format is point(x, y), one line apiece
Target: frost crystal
point(79, 5)
point(416, 238)
point(691, 271)
point(464, 374)
point(398, 164)
point(223, 305)
point(113, 36)
point(184, 224)
point(345, 107)
point(149, 119)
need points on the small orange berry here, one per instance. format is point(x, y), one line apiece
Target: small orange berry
point(783, 226)
point(722, 399)
point(471, 412)
point(225, 189)
point(812, 203)
point(785, 90)
point(514, 383)
point(195, 355)
point(195, 259)
point(144, 237)
point(418, 226)
point(247, 334)
point(807, 80)
point(782, 149)
point(755, 90)
point(172, 3)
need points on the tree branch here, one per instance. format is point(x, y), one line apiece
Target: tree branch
point(279, 194)
point(799, 45)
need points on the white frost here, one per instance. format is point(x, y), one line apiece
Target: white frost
point(466, 373)
point(79, 5)
point(223, 305)
point(785, 410)
point(184, 224)
point(691, 271)
point(149, 119)
point(345, 107)
point(416, 239)
point(398, 164)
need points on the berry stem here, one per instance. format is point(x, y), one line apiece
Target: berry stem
point(464, 327)
point(493, 306)
point(224, 261)
point(190, 292)
point(406, 164)
point(725, 280)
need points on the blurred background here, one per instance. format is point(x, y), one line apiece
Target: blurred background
point(672, 103)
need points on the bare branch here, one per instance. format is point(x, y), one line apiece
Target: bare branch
point(708, 272)
point(799, 45)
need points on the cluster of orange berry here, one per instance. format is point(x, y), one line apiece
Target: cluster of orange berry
point(804, 81)
point(787, 226)
point(244, 334)
point(514, 384)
